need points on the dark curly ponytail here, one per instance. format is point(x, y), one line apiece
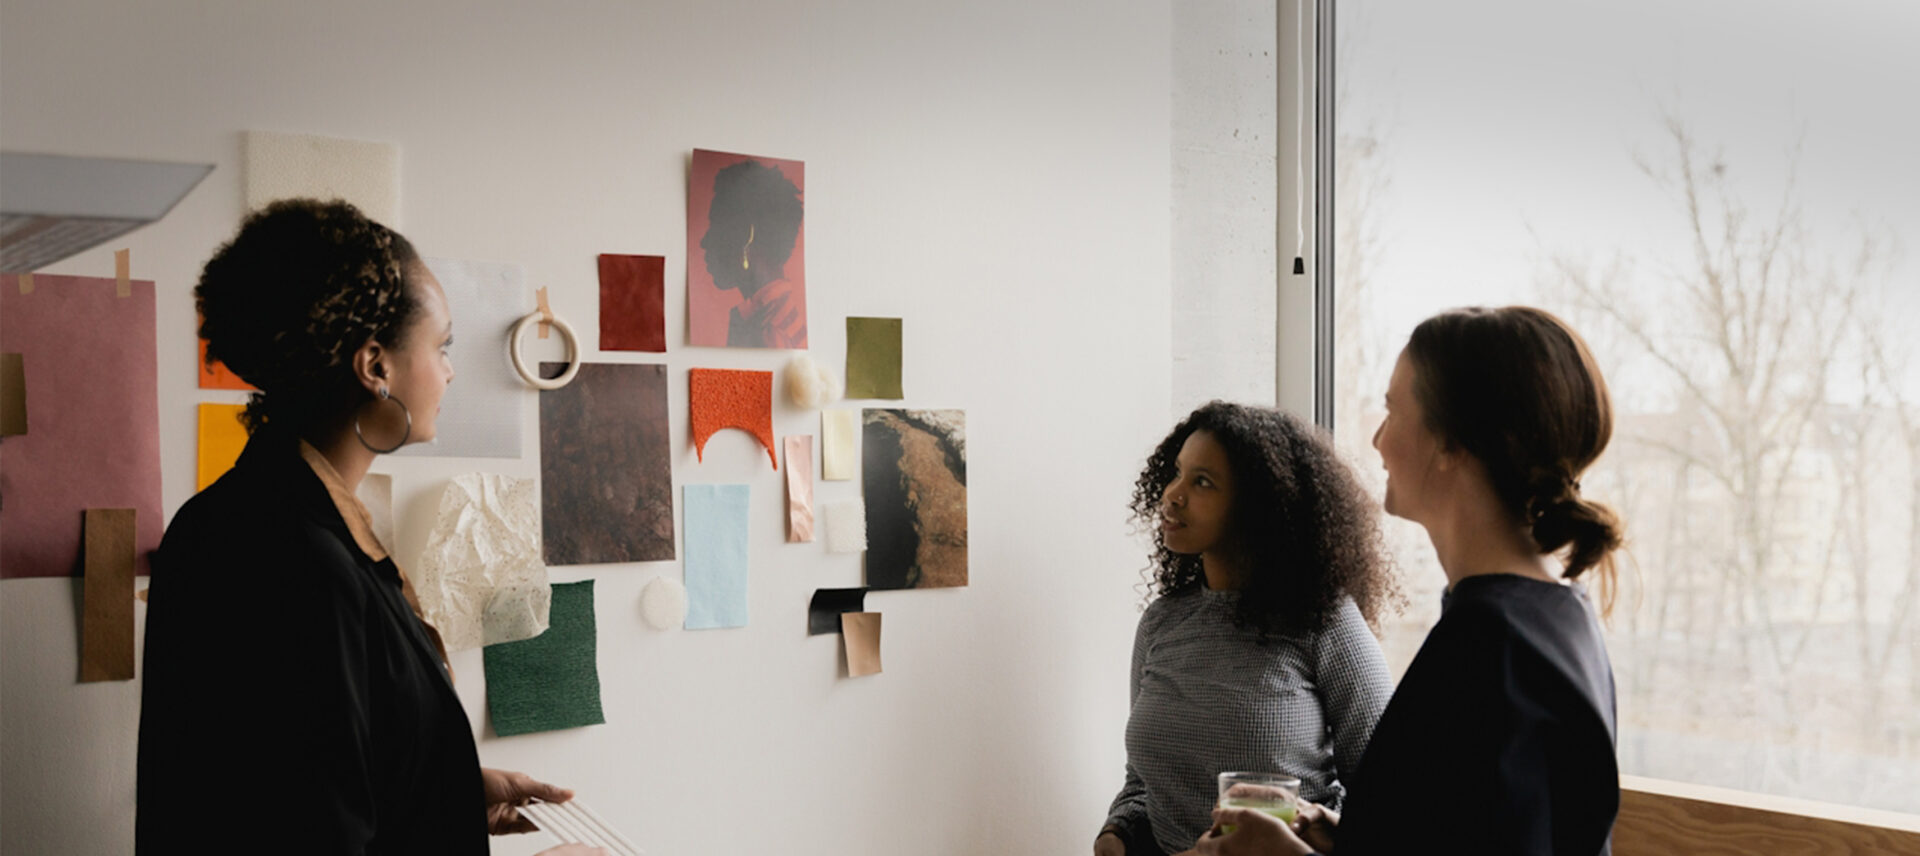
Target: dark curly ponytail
point(1517, 389)
point(288, 301)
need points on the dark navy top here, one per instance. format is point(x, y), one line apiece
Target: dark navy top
point(1500, 738)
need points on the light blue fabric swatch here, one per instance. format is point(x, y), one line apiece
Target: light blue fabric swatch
point(716, 551)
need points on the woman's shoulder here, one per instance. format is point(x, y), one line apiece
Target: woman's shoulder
point(241, 531)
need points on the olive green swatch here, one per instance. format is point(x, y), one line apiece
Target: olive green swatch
point(873, 358)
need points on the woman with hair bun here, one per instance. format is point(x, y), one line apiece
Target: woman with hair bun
point(1500, 738)
point(291, 688)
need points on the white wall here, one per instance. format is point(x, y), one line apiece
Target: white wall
point(1225, 200)
point(996, 172)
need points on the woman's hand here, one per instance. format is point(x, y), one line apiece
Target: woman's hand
point(1315, 826)
point(1255, 833)
point(1109, 844)
point(506, 791)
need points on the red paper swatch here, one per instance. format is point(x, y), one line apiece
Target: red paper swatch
point(633, 313)
point(726, 398)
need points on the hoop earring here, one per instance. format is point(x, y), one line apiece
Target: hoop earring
point(385, 396)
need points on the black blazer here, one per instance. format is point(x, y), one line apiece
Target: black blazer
point(1500, 739)
point(292, 700)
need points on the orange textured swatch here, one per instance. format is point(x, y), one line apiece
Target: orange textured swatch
point(726, 398)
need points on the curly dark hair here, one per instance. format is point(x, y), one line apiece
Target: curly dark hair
point(1300, 522)
point(288, 301)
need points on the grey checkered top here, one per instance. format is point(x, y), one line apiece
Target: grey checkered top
point(1208, 698)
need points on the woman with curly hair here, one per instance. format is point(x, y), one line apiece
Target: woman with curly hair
point(1256, 652)
point(290, 685)
point(1500, 738)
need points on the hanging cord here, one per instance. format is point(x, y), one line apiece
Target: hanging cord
point(1300, 141)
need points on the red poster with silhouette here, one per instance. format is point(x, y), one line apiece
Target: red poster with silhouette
point(746, 252)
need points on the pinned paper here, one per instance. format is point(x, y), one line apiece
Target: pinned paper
point(13, 395)
point(606, 468)
point(222, 437)
point(551, 681)
point(481, 580)
point(873, 358)
point(280, 166)
point(123, 273)
point(914, 481)
point(823, 612)
point(106, 635)
point(799, 488)
point(663, 604)
point(725, 398)
point(746, 252)
point(633, 315)
point(376, 493)
point(861, 630)
point(93, 405)
point(216, 375)
point(837, 430)
point(847, 526)
point(716, 517)
point(480, 414)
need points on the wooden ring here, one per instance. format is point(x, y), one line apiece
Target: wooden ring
point(533, 379)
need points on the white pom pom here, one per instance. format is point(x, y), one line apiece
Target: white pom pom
point(663, 604)
point(809, 384)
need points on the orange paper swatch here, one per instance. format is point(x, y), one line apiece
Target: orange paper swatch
point(221, 439)
point(726, 398)
point(217, 375)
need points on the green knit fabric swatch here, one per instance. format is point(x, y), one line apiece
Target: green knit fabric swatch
point(551, 681)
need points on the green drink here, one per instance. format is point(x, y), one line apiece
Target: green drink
point(1272, 793)
point(1285, 810)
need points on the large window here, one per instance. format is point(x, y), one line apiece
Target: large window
point(1722, 197)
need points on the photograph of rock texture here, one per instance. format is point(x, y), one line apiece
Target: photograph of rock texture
point(915, 480)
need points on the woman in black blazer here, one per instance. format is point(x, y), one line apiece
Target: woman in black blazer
point(1500, 738)
point(293, 697)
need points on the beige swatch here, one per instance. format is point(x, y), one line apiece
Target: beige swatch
point(837, 431)
point(862, 632)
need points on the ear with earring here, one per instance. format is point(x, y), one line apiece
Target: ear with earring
point(406, 414)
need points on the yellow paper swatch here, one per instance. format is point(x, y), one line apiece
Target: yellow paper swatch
point(221, 439)
point(837, 430)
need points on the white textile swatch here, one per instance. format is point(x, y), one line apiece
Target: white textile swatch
point(481, 580)
point(282, 166)
point(847, 526)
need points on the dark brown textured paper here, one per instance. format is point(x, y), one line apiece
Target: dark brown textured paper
point(13, 396)
point(862, 632)
point(606, 468)
point(106, 623)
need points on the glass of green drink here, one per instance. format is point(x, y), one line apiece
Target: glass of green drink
point(1274, 793)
